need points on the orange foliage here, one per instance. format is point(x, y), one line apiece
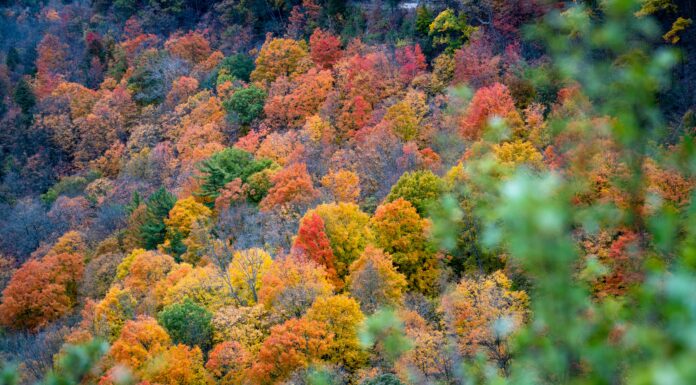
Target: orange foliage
point(292, 284)
point(487, 102)
point(291, 346)
point(292, 186)
point(192, 46)
point(140, 340)
point(228, 361)
point(41, 291)
point(182, 88)
point(344, 185)
point(291, 104)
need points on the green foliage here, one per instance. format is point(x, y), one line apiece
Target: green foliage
point(421, 188)
point(147, 83)
point(69, 185)
point(153, 231)
point(24, 96)
point(245, 105)
point(226, 166)
point(238, 65)
point(383, 379)
point(449, 30)
point(188, 323)
point(424, 17)
point(384, 331)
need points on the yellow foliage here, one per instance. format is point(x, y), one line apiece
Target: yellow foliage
point(513, 154)
point(344, 185)
point(246, 270)
point(342, 316)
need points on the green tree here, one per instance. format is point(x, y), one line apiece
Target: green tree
point(153, 231)
point(224, 167)
point(421, 188)
point(187, 323)
point(238, 65)
point(245, 104)
point(24, 96)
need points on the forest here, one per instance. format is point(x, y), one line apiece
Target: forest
point(347, 192)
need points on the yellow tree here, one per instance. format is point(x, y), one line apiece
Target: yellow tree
point(246, 271)
point(347, 229)
point(178, 365)
point(181, 220)
point(342, 317)
point(402, 233)
point(482, 312)
point(344, 185)
point(292, 284)
point(374, 281)
point(280, 57)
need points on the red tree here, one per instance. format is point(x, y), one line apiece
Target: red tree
point(325, 48)
point(313, 243)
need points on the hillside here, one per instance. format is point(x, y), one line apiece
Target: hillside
point(245, 192)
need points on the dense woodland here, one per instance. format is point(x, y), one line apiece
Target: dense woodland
point(253, 192)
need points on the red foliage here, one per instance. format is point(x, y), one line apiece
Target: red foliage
point(476, 64)
point(411, 61)
point(313, 243)
point(487, 102)
point(325, 48)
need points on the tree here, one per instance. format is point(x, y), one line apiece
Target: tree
point(411, 61)
point(483, 312)
point(383, 379)
point(192, 46)
point(200, 284)
point(344, 185)
point(420, 188)
point(246, 104)
point(342, 317)
point(291, 103)
point(41, 291)
point(325, 48)
point(291, 346)
point(141, 270)
point(292, 187)
point(224, 167)
point(228, 362)
point(449, 30)
point(292, 284)
point(153, 229)
point(178, 365)
point(401, 233)
point(182, 218)
point(403, 121)
point(24, 96)
point(347, 229)
point(140, 340)
point(280, 57)
point(488, 102)
point(187, 323)
point(238, 65)
point(247, 325)
point(375, 282)
point(312, 243)
point(112, 312)
point(246, 271)
point(517, 153)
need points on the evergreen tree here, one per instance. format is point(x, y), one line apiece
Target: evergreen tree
point(153, 231)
